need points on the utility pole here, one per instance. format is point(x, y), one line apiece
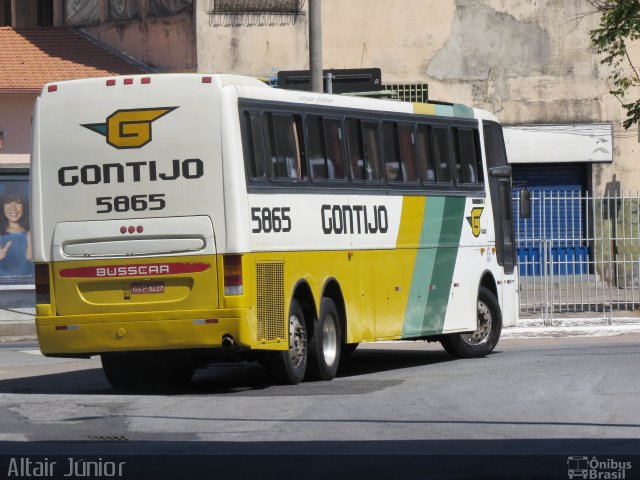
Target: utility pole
point(315, 45)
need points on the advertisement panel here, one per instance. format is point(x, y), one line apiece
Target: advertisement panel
point(16, 267)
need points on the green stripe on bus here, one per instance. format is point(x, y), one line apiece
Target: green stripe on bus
point(423, 267)
point(444, 110)
point(462, 111)
point(433, 269)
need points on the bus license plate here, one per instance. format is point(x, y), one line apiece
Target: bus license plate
point(147, 287)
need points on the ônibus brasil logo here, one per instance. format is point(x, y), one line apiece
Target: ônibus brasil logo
point(129, 128)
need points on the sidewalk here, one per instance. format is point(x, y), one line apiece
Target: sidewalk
point(18, 326)
point(573, 326)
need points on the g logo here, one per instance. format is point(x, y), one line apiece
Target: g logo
point(474, 220)
point(129, 128)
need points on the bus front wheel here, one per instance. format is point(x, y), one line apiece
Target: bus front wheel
point(289, 366)
point(324, 346)
point(485, 338)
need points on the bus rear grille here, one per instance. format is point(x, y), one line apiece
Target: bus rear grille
point(270, 309)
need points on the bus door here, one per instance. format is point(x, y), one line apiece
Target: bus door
point(500, 192)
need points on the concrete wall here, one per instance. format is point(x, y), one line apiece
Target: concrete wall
point(252, 45)
point(527, 61)
point(166, 44)
point(15, 121)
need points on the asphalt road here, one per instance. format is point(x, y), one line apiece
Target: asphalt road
point(526, 408)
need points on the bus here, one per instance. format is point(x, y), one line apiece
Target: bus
point(181, 219)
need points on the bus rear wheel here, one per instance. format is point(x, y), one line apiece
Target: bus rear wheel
point(288, 367)
point(481, 342)
point(324, 347)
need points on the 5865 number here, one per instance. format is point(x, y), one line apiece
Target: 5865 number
point(137, 203)
point(268, 220)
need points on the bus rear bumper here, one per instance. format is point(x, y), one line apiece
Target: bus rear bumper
point(95, 334)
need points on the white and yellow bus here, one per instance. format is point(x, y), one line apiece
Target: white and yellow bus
point(180, 217)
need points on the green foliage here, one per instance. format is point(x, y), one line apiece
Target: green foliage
point(619, 25)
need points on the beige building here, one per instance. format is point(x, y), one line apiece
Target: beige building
point(531, 63)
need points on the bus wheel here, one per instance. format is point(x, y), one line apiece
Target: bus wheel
point(288, 367)
point(324, 347)
point(482, 341)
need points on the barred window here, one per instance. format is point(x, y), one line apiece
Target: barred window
point(122, 9)
point(79, 13)
point(257, 6)
point(163, 8)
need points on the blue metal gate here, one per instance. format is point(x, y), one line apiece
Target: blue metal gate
point(557, 220)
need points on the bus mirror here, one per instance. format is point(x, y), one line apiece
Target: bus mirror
point(504, 171)
point(525, 203)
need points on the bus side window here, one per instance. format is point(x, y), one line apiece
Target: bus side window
point(466, 156)
point(442, 154)
point(333, 147)
point(354, 144)
point(478, 155)
point(286, 152)
point(425, 155)
point(407, 144)
point(364, 150)
point(370, 136)
point(324, 145)
point(315, 148)
point(390, 153)
point(254, 154)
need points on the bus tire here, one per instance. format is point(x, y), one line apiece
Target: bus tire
point(288, 367)
point(481, 342)
point(325, 344)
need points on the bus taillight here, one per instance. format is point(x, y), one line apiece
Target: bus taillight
point(232, 274)
point(43, 293)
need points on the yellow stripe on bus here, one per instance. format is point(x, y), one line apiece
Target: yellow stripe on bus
point(424, 108)
point(411, 222)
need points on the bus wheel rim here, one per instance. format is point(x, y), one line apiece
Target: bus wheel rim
point(481, 335)
point(297, 341)
point(329, 340)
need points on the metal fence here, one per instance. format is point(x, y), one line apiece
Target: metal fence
point(578, 253)
point(408, 92)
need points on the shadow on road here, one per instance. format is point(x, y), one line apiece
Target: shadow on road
point(246, 378)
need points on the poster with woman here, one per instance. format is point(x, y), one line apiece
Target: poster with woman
point(16, 267)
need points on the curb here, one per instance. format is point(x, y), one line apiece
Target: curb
point(17, 330)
